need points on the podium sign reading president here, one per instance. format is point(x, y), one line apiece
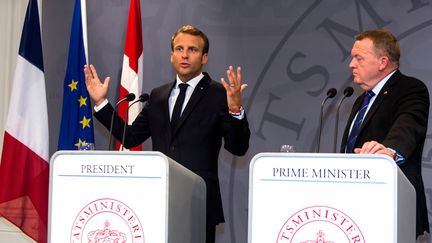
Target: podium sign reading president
point(101, 196)
point(329, 198)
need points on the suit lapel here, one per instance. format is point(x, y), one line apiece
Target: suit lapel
point(386, 89)
point(197, 94)
point(378, 100)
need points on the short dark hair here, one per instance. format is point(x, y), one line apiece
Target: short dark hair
point(384, 42)
point(191, 30)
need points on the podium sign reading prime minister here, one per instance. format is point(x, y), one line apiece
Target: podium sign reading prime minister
point(342, 198)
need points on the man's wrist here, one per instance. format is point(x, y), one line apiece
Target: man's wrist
point(97, 103)
point(392, 153)
point(396, 156)
point(235, 111)
point(101, 105)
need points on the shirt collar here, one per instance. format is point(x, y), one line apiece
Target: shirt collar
point(193, 82)
point(381, 83)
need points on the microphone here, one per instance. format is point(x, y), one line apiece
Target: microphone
point(128, 97)
point(348, 91)
point(330, 94)
point(142, 98)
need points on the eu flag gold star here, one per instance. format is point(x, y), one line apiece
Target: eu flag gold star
point(73, 85)
point(82, 101)
point(85, 122)
point(80, 143)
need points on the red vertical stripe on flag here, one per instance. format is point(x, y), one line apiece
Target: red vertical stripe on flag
point(25, 175)
point(133, 46)
point(132, 69)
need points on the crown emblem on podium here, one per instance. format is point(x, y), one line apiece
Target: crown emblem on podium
point(319, 239)
point(106, 235)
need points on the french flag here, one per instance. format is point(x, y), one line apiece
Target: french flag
point(131, 77)
point(24, 167)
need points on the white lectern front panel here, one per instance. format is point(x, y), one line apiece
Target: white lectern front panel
point(83, 211)
point(297, 197)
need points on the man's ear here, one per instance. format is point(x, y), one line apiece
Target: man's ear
point(204, 58)
point(383, 62)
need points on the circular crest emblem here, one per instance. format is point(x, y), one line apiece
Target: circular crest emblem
point(320, 224)
point(106, 220)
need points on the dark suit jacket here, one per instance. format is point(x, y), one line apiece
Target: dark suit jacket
point(196, 142)
point(398, 119)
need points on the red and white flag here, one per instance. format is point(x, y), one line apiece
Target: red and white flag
point(24, 166)
point(131, 78)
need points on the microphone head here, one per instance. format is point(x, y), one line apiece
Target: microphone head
point(130, 97)
point(331, 93)
point(348, 91)
point(144, 97)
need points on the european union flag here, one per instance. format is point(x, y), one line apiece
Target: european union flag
point(76, 127)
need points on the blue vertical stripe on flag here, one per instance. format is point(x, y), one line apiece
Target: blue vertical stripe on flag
point(31, 44)
point(77, 122)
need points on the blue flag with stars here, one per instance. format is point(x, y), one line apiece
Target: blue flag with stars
point(76, 127)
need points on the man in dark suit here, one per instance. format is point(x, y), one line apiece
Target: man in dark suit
point(211, 113)
point(394, 120)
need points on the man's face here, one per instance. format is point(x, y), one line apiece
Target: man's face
point(187, 56)
point(365, 64)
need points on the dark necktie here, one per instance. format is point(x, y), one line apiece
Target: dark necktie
point(358, 122)
point(175, 117)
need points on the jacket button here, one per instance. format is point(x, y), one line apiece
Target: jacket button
point(172, 147)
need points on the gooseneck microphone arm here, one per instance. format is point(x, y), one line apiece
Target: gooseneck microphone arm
point(330, 94)
point(128, 97)
point(143, 98)
point(348, 91)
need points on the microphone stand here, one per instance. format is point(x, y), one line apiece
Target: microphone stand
point(347, 93)
point(330, 94)
point(128, 97)
point(143, 98)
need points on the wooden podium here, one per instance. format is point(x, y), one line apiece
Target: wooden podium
point(104, 196)
point(296, 197)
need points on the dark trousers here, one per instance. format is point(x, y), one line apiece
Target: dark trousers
point(210, 233)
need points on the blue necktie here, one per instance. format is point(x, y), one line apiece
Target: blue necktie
point(358, 122)
point(175, 117)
